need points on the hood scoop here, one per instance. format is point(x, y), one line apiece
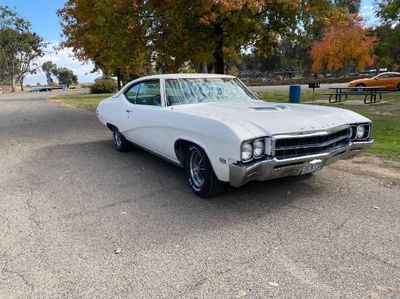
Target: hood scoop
point(268, 108)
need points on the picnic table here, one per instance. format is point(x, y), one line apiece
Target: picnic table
point(370, 93)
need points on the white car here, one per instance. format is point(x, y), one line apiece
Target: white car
point(219, 131)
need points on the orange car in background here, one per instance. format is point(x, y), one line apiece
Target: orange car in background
point(389, 80)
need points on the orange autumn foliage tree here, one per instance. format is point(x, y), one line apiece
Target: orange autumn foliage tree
point(343, 45)
point(127, 38)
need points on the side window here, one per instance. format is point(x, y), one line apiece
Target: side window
point(149, 93)
point(384, 76)
point(131, 94)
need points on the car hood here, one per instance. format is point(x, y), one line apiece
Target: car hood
point(259, 118)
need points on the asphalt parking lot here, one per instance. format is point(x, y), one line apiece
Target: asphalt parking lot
point(79, 219)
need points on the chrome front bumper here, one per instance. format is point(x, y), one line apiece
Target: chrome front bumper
point(261, 170)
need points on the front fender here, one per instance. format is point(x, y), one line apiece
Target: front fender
point(219, 141)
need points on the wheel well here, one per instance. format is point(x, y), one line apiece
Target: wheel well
point(181, 146)
point(110, 126)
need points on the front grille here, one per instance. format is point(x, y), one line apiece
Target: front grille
point(298, 146)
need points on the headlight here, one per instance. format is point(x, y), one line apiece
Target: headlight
point(247, 151)
point(360, 132)
point(258, 148)
point(363, 131)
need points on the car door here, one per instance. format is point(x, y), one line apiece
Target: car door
point(383, 80)
point(142, 120)
point(394, 81)
point(397, 81)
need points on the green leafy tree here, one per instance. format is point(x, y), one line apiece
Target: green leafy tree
point(48, 67)
point(19, 48)
point(65, 76)
point(387, 49)
point(389, 10)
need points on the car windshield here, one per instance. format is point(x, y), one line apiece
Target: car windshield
point(203, 90)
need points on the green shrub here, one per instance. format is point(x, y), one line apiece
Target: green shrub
point(104, 86)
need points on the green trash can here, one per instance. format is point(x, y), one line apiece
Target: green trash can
point(294, 93)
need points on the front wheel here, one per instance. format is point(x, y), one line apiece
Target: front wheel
point(200, 174)
point(398, 87)
point(121, 144)
point(360, 86)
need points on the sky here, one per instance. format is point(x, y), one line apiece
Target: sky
point(45, 22)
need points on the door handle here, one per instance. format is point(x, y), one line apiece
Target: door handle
point(129, 111)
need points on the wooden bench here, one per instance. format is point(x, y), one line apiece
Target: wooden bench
point(370, 93)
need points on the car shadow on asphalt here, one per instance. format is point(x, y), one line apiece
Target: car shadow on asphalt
point(140, 172)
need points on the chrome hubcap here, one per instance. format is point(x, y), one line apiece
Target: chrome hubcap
point(360, 87)
point(197, 170)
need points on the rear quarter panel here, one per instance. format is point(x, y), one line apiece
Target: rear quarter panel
point(107, 111)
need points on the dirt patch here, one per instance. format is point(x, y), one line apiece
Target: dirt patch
point(388, 171)
point(60, 103)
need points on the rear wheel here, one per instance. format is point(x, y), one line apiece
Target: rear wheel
point(121, 144)
point(398, 86)
point(200, 174)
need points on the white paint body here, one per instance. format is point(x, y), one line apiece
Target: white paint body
point(219, 127)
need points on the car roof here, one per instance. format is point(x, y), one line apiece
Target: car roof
point(185, 76)
point(397, 73)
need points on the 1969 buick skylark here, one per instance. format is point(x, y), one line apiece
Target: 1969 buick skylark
point(219, 131)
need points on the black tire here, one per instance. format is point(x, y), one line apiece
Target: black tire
point(202, 181)
point(398, 87)
point(361, 86)
point(121, 144)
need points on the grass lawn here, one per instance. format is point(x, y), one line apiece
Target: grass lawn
point(385, 116)
point(85, 100)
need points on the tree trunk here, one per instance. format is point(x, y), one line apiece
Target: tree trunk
point(22, 84)
point(12, 83)
point(204, 68)
point(218, 51)
point(13, 78)
point(210, 67)
point(118, 72)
